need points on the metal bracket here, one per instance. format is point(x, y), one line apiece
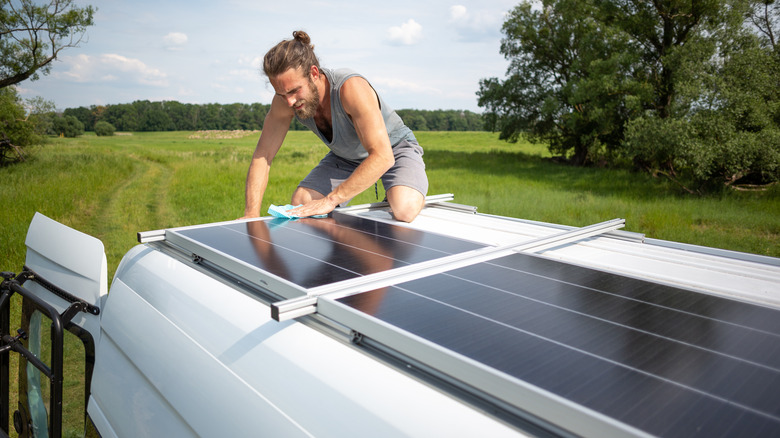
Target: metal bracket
point(355, 337)
point(11, 342)
point(151, 236)
point(83, 306)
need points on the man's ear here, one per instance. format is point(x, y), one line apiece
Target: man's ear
point(314, 72)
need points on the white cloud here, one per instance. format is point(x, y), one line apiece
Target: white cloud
point(406, 86)
point(474, 26)
point(242, 81)
point(186, 92)
point(242, 75)
point(23, 91)
point(458, 12)
point(406, 34)
point(175, 40)
point(255, 62)
point(249, 72)
point(110, 67)
point(228, 88)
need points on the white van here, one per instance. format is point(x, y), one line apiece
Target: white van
point(459, 324)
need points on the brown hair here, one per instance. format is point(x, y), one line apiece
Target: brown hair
point(294, 53)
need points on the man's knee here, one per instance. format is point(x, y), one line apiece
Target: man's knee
point(405, 202)
point(406, 214)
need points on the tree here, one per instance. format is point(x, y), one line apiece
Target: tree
point(413, 119)
point(208, 116)
point(31, 36)
point(678, 88)
point(258, 112)
point(663, 32)
point(722, 126)
point(123, 117)
point(103, 128)
point(228, 116)
point(180, 116)
point(84, 115)
point(68, 126)
point(143, 115)
point(570, 81)
point(765, 16)
point(40, 113)
point(155, 119)
point(15, 131)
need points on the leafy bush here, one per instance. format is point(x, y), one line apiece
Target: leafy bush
point(728, 133)
point(14, 126)
point(68, 126)
point(104, 129)
point(41, 113)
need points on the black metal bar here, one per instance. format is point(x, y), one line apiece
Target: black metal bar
point(12, 343)
point(29, 274)
point(55, 374)
point(57, 347)
point(5, 367)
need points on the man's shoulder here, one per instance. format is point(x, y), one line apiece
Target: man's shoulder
point(344, 71)
point(341, 75)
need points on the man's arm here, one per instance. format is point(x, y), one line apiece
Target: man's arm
point(275, 127)
point(362, 105)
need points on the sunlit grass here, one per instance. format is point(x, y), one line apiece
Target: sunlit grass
point(113, 187)
point(519, 180)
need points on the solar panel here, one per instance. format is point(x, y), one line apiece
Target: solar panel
point(596, 353)
point(659, 359)
point(287, 257)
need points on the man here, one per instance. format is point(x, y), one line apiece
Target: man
point(368, 140)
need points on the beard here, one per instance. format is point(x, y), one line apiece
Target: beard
point(309, 107)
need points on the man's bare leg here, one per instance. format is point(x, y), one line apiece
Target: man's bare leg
point(405, 202)
point(302, 195)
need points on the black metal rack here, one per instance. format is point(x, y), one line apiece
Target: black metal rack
point(60, 322)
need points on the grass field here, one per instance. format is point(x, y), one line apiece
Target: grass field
point(113, 187)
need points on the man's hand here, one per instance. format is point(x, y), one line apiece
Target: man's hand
point(313, 208)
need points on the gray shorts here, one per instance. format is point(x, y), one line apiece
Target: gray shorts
point(408, 170)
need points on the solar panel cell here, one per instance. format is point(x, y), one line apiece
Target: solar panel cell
point(669, 361)
point(316, 252)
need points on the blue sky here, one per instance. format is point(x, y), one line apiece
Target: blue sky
point(422, 54)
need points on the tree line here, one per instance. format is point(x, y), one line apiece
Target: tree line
point(689, 90)
point(144, 115)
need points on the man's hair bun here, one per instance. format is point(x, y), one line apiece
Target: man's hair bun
point(302, 37)
point(295, 53)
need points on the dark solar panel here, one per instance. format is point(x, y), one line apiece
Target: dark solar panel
point(316, 252)
point(668, 361)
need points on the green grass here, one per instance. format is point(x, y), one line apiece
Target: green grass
point(517, 180)
point(113, 187)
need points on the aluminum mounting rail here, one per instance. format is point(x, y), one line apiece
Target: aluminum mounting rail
point(433, 200)
point(296, 307)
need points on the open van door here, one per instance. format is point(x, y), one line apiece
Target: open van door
point(62, 288)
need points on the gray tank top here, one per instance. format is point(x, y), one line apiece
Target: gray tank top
point(345, 142)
